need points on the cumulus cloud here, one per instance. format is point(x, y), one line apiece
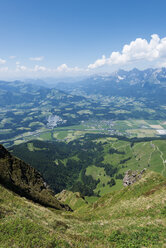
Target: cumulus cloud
point(2, 61)
point(40, 68)
point(62, 67)
point(36, 58)
point(137, 50)
point(21, 68)
point(65, 68)
point(98, 63)
point(36, 68)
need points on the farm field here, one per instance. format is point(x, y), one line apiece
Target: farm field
point(52, 114)
point(129, 128)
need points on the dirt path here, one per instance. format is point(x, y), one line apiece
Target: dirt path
point(161, 156)
point(164, 161)
point(153, 146)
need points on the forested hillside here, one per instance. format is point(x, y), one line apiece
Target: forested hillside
point(94, 164)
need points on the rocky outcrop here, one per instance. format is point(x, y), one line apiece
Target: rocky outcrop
point(26, 181)
point(132, 176)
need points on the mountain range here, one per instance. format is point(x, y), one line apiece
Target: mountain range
point(135, 83)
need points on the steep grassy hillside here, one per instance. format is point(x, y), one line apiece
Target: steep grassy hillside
point(133, 217)
point(25, 180)
point(74, 200)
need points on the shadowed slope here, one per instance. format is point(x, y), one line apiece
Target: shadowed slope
point(26, 181)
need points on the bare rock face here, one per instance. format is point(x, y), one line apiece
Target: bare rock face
point(132, 176)
point(26, 181)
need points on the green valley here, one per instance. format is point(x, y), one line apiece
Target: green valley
point(94, 164)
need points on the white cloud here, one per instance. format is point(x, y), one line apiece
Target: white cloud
point(137, 50)
point(36, 68)
point(40, 68)
point(36, 58)
point(65, 68)
point(98, 63)
point(62, 67)
point(21, 68)
point(2, 61)
point(24, 71)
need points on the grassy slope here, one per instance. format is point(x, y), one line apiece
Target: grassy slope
point(149, 154)
point(133, 217)
point(74, 200)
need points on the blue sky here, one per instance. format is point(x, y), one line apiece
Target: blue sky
point(40, 38)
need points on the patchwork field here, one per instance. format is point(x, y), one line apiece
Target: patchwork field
point(129, 128)
point(140, 128)
point(50, 114)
